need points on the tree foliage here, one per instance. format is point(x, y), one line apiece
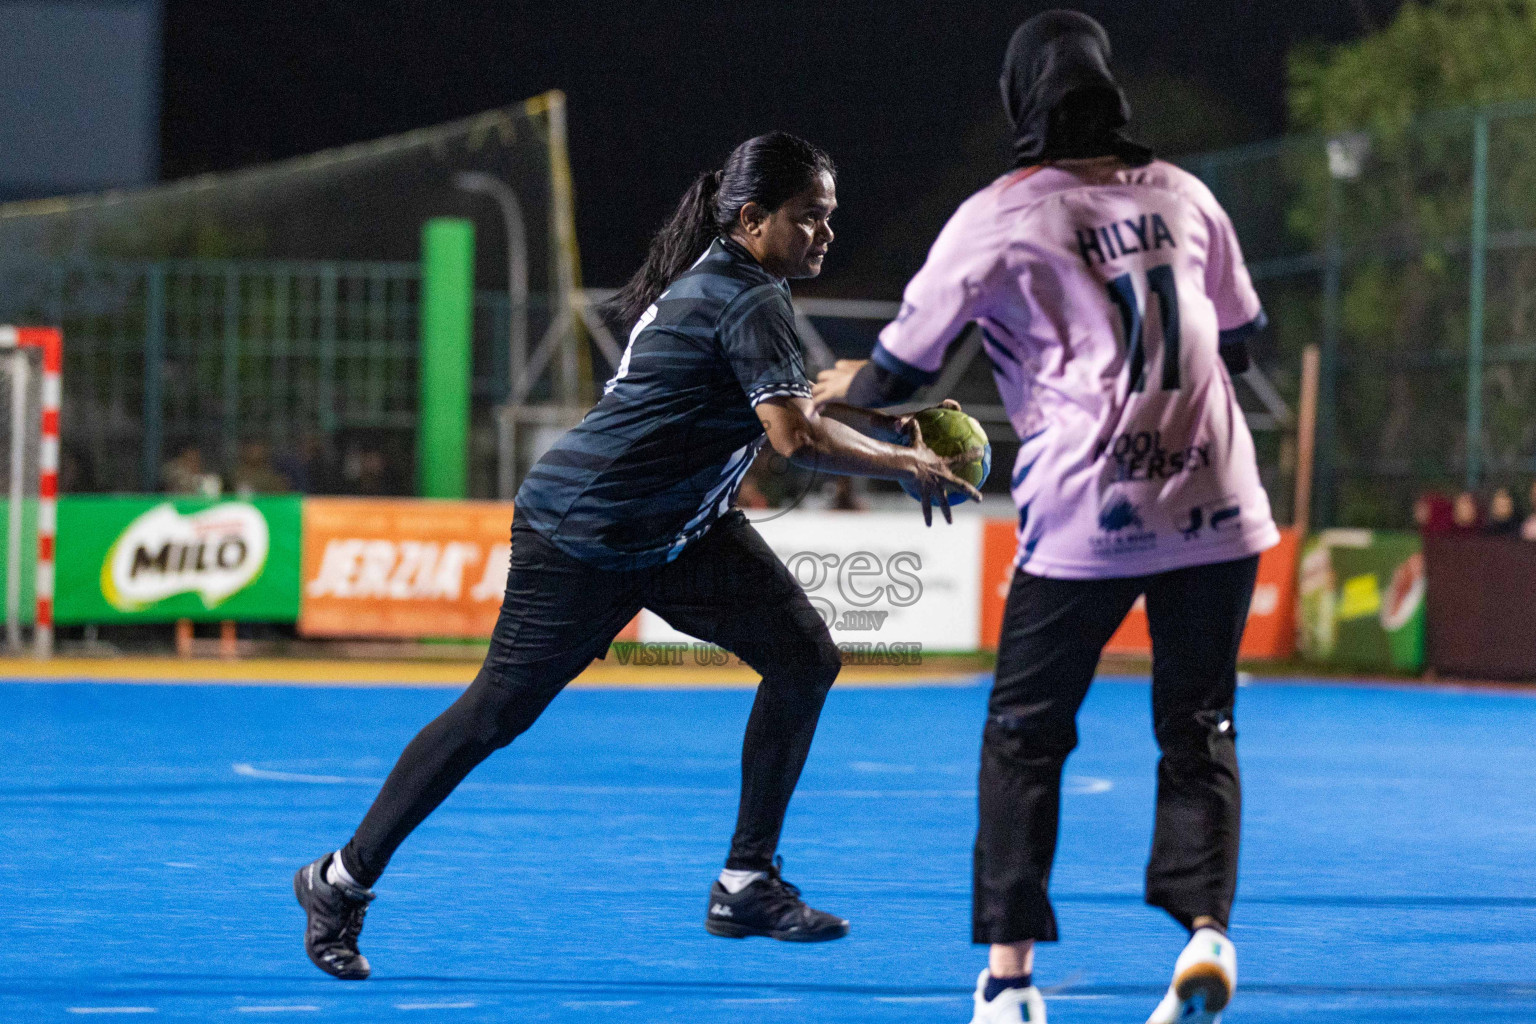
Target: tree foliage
point(1433, 56)
point(1403, 227)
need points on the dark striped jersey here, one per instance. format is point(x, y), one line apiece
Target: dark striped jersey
point(660, 457)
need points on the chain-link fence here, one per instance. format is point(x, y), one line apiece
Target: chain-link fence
point(1409, 256)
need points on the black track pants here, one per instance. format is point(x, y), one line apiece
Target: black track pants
point(1053, 633)
point(559, 614)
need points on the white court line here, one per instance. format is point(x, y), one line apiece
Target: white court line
point(919, 999)
point(250, 771)
point(435, 1006)
point(755, 1002)
point(881, 766)
point(110, 1009)
point(1075, 785)
point(1086, 785)
point(283, 1008)
point(589, 1003)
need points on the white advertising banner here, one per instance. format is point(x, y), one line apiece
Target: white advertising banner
point(879, 579)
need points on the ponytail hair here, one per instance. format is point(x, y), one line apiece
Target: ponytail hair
point(766, 170)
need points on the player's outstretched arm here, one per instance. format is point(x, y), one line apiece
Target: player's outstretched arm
point(882, 426)
point(810, 439)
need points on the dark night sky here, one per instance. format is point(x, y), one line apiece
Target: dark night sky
point(903, 95)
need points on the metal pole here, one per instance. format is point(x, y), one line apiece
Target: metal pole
point(517, 263)
point(154, 380)
point(19, 390)
point(1306, 441)
point(562, 226)
point(231, 369)
point(325, 391)
point(1475, 299)
point(1328, 376)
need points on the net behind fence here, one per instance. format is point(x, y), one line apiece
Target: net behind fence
point(262, 325)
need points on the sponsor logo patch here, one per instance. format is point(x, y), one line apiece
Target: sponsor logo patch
point(1123, 529)
point(214, 553)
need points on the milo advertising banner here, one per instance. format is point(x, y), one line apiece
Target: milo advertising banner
point(1362, 600)
point(149, 559)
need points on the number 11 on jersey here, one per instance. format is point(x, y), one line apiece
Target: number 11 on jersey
point(1122, 292)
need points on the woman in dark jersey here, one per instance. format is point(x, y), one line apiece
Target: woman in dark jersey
point(632, 509)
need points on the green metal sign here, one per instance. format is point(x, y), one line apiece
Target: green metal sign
point(1362, 600)
point(149, 559)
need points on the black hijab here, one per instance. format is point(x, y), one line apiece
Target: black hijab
point(1060, 95)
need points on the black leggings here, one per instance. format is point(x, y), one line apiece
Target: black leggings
point(559, 614)
point(1053, 634)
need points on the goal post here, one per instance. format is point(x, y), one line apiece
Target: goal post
point(31, 361)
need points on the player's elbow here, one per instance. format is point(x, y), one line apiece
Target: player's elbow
point(796, 443)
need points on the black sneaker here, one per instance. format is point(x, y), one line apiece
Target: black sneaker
point(769, 906)
point(335, 920)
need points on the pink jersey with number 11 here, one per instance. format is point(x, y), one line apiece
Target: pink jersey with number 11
point(1103, 293)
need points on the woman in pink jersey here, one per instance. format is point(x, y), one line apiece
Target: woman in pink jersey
point(1114, 306)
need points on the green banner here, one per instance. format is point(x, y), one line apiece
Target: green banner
point(1362, 600)
point(149, 559)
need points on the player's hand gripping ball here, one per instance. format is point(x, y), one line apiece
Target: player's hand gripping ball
point(951, 434)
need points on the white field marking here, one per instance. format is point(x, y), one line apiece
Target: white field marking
point(590, 1003)
point(880, 766)
point(250, 771)
point(180, 864)
point(754, 1002)
point(1086, 785)
point(919, 999)
point(280, 1008)
point(110, 1009)
point(1077, 785)
point(435, 1006)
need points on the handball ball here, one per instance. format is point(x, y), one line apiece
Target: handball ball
point(949, 432)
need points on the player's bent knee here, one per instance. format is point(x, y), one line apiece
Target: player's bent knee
point(1028, 739)
point(810, 673)
point(1205, 735)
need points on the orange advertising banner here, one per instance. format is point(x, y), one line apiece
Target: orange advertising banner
point(406, 568)
point(1271, 630)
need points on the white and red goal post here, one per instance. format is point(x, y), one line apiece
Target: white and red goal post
point(36, 358)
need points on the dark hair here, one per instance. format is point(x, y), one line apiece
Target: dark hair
point(766, 170)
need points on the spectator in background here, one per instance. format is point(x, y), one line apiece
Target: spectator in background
point(1528, 528)
point(1502, 520)
point(1432, 514)
point(367, 472)
point(184, 474)
point(254, 473)
point(1466, 514)
point(309, 465)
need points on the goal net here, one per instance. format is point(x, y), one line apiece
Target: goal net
point(278, 306)
point(30, 360)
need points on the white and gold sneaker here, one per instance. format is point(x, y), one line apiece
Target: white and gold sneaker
point(1012, 1005)
point(1204, 978)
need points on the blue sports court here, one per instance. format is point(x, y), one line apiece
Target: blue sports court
point(151, 832)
